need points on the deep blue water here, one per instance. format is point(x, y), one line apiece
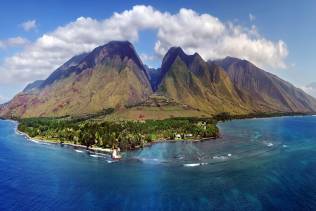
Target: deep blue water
point(259, 164)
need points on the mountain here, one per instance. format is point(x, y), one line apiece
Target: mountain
point(33, 86)
point(62, 72)
point(190, 80)
point(264, 91)
point(65, 70)
point(157, 107)
point(111, 76)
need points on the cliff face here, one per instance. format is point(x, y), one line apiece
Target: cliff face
point(264, 91)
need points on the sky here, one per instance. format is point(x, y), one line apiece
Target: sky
point(36, 36)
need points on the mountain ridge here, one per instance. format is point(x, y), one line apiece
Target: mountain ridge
point(113, 76)
point(107, 78)
point(267, 89)
point(201, 85)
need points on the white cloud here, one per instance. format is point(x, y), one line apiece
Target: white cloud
point(310, 89)
point(194, 32)
point(252, 18)
point(29, 25)
point(147, 58)
point(3, 99)
point(17, 41)
point(13, 42)
point(214, 39)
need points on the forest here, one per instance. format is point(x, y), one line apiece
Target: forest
point(123, 134)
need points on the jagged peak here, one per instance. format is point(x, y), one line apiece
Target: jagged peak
point(114, 48)
point(120, 43)
point(175, 52)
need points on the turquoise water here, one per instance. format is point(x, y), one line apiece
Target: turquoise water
point(258, 164)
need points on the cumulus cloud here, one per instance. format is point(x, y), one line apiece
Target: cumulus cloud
point(13, 42)
point(194, 32)
point(29, 25)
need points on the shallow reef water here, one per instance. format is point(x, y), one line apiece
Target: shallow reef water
point(258, 164)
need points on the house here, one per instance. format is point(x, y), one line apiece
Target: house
point(177, 137)
point(115, 154)
point(190, 135)
point(202, 125)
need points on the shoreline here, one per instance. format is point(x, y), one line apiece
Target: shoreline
point(108, 151)
point(260, 116)
point(95, 150)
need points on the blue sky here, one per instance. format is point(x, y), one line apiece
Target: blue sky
point(292, 22)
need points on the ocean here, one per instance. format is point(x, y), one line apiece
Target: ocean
point(257, 164)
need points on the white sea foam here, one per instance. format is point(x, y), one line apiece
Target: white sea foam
point(151, 160)
point(269, 144)
point(44, 143)
point(284, 146)
point(96, 156)
point(180, 157)
point(33, 140)
point(221, 157)
point(80, 151)
point(194, 164)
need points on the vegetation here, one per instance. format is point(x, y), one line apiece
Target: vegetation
point(124, 134)
point(127, 134)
